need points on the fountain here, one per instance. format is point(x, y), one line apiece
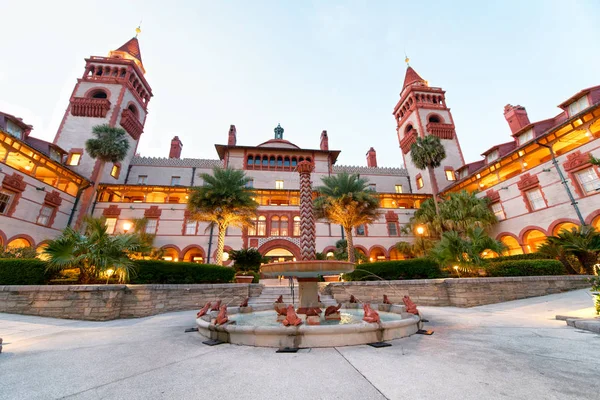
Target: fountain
point(284, 326)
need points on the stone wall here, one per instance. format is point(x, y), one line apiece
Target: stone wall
point(466, 292)
point(107, 302)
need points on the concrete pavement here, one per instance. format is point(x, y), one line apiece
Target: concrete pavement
point(514, 350)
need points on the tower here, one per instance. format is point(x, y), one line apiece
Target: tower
point(111, 91)
point(422, 111)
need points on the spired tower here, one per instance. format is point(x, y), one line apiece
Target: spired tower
point(422, 111)
point(111, 91)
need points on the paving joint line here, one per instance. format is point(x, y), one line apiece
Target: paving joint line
point(361, 374)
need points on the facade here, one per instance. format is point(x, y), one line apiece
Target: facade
point(48, 186)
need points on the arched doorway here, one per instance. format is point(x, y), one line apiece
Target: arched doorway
point(376, 254)
point(596, 223)
point(18, 243)
point(512, 245)
point(564, 226)
point(194, 254)
point(395, 254)
point(279, 254)
point(532, 239)
point(170, 254)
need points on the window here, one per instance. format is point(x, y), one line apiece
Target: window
point(525, 137)
point(175, 180)
point(360, 230)
point(450, 175)
point(190, 227)
point(110, 225)
point(398, 188)
point(296, 231)
point(14, 129)
point(278, 184)
point(45, 215)
point(74, 159)
point(589, 181)
point(275, 226)
point(252, 228)
point(492, 156)
point(373, 187)
point(142, 179)
point(114, 172)
point(284, 227)
point(261, 227)
point(151, 225)
point(5, 199)
point(250, 183)
point(419, 182)
point(579, 105)
point(498, 211)
point(536, 200)
point(392, 228)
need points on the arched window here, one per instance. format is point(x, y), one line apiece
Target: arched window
point(275, 226)
point(123, 72)
point(252, 229)
point(257, 160)
point(434, 119)
point(286, 162)
point(261, 227)
point(99, 94)
point(265, 161)
point(279, 161)
point(284, 229)
point(294, 162)
point(296, 231)
point(409, 128)
point(99, 71)
point(272, 161)
point(133, 109)
point(250, 161)
point(301, 159)
point(308, 159)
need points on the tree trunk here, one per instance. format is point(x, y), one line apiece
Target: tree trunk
point(434, 189)
point(89, 194)
point(565, 261)
point(587, 261)
point(350, 247)
point(220, 244)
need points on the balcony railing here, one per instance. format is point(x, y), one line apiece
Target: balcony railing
point(443, 131)
point(131, 124)
point(407, 141)
point(89, 107)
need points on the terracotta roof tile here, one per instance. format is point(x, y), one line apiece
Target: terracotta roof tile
point(132, 47)
point(411, 77)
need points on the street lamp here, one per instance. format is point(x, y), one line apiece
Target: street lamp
point(420, 230)
point(126, 226)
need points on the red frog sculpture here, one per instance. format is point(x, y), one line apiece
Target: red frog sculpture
point(371, 316)
point(244, 303)
point(410, 306)
point(281, 310)
point(203, 310)
point(292, 318)
point(386, 300)
point(216, 306)
point(353, 299)
point(313, 311)
point(279, 299)
point(222, 316)
point(332, 309)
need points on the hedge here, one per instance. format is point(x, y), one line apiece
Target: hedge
point(526, 268)
point(417, 268)
point(528, 256)
point(158, 271)
point(23, 271)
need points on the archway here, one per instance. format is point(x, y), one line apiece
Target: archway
point(512, 245)
point(558, 226)
point(532, 239)
point(170, 253)
point(39, 250)
point(193, 254)
point(279, 254)
point(395, 254)
point(280, 244)
point(596, 223)
point(18, 243)
point(377, 253)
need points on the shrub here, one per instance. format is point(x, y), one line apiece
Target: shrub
point(526, 268)
point(23, 271)
point(246, 259)
point(528, 256)
point(417, 268)
point(157, 271)
point(18, 252)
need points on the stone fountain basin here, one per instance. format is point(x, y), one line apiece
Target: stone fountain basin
point(304, 336)
point(307, 269)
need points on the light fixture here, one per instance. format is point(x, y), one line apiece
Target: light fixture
point(109, 272)
point(126, 226)
point(524, 163)
point(225, 256)
point(420, 230)
point(546, 170)
point(41, 188)
point(588, 134)
point(521, 153)
point(28, 166)
point(504, 188)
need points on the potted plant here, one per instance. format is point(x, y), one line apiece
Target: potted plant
point(595, 281)
point(247, 264)
point(243, 277)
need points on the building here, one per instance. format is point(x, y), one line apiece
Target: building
point(48, 186)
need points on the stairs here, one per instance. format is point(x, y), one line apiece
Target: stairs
point(271, 293)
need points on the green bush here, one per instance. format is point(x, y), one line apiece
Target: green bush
point(23, 271)
point(528, 256)
point(417, 268)
point(157, 271)
point(526, 268)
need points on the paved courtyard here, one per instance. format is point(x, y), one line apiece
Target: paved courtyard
point(513, 350)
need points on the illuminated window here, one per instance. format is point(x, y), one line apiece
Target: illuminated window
point(284, 227)
point(589, 181)
point(296, 231)
point(261, 229)
point(392, 228)
point(151, 225)
point(252, 228)
point(579, 105)
point(398, 188)
point(278, 184)
point(536, 200)
point(175, 180)
point(498, 211)
point(492, 156)
point(190, 227)
point(450, 175)
point(74, 159)
point(110, 225)
point(114, 172)
point(45, 215)
point(419, 182)
point(373, 187)
point(142, 179)
point(360, 230)
point(5, 198)
point(525, 137)
point(275, 226)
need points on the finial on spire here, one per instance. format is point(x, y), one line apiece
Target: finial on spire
point(406, 60)
point(278, 132)
point(138, 30)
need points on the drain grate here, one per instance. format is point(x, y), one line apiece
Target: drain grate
point(425, 332)
point(287, 350)
point(379, 344)
point(191, 330)
point(212, 342)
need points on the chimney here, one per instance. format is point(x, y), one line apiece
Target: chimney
point(516, 116)
point(176, 147)
point(324, 141)
point(371, 158)
point(232, 136)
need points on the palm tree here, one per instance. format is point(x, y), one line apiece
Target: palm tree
point(223, 200)
point(454, 248)
point(553, 249)
point(109, 144)
point(419, 248)
point(428, 153)
point(583, 243)
point(93, 252)
point(346, 200)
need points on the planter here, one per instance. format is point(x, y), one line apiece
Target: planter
point(331, 278)
point(244, 278)
point(597, 301)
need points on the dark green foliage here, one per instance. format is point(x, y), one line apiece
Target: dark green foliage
point(528, 256)
point(417, 268)
point(23, 271)
point(526, 268)
point(246, 259)
point(108, 143)
point(157, 271)
point(17, 252)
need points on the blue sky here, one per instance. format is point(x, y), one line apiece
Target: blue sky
point(311, 66)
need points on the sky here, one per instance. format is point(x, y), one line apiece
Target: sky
point(311, 66)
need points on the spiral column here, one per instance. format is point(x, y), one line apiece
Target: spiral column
point(307, 219)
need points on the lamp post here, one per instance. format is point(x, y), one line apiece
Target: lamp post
point(126, 226)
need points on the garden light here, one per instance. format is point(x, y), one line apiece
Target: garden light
point(126, 226)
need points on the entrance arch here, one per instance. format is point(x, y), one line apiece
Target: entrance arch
point(512, 245)
point(532, 239)
point(193, 254)
point(280, 248)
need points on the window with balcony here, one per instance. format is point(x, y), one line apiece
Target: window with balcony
point(498, 211)
point(398, 188)
point(190, 227)
point(296, 231)
point(45, 215)
point(142, 180)
point(589, 181)
point(278, 184)
point(5, 200)
point(110, 223)
point(151, 225)
point(535, 199)
point(175, 180)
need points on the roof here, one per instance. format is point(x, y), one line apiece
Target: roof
point(18, 121)
point(176, 162)
point(222, 149)
point(353, 169)
point(411, 77)
point(578, 95)
point(503, 148)
point(43, 146)
point(129, 50)
point(279, 143)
